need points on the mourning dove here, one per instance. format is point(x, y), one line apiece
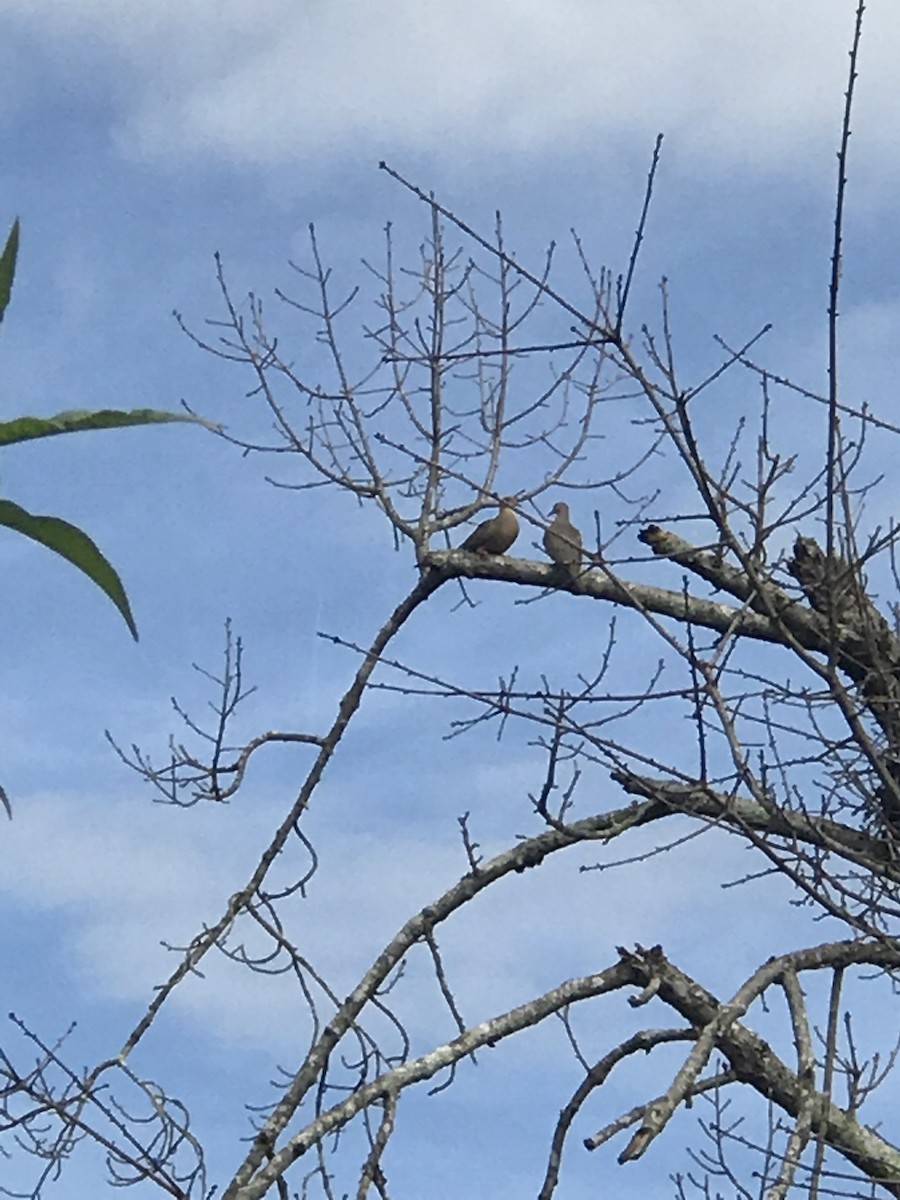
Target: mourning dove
point(496, 535)
point(562, 541)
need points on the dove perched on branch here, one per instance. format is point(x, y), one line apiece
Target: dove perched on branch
point(496, 535)
point(562, 541)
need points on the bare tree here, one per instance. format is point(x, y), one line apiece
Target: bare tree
point(771, 646)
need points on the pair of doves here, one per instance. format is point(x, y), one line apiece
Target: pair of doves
point(562, 541)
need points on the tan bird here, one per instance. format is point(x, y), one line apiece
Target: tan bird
point(562, 541)
point(496, 535)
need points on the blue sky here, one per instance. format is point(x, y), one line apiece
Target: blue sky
point(140, 140)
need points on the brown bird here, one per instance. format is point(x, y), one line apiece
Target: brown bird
point(496, 535)
point(562, 541)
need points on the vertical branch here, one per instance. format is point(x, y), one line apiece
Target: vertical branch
point(834, 293)
point(697, 689)
point(436, 349)
point(837, 982)
point(499, 408)
point(638, 235)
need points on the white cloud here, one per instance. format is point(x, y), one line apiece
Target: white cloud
point(277, 82)
point(124, 876)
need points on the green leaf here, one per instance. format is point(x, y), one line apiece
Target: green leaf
point(77, 547)
point(8, 266)
point(23, 429)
